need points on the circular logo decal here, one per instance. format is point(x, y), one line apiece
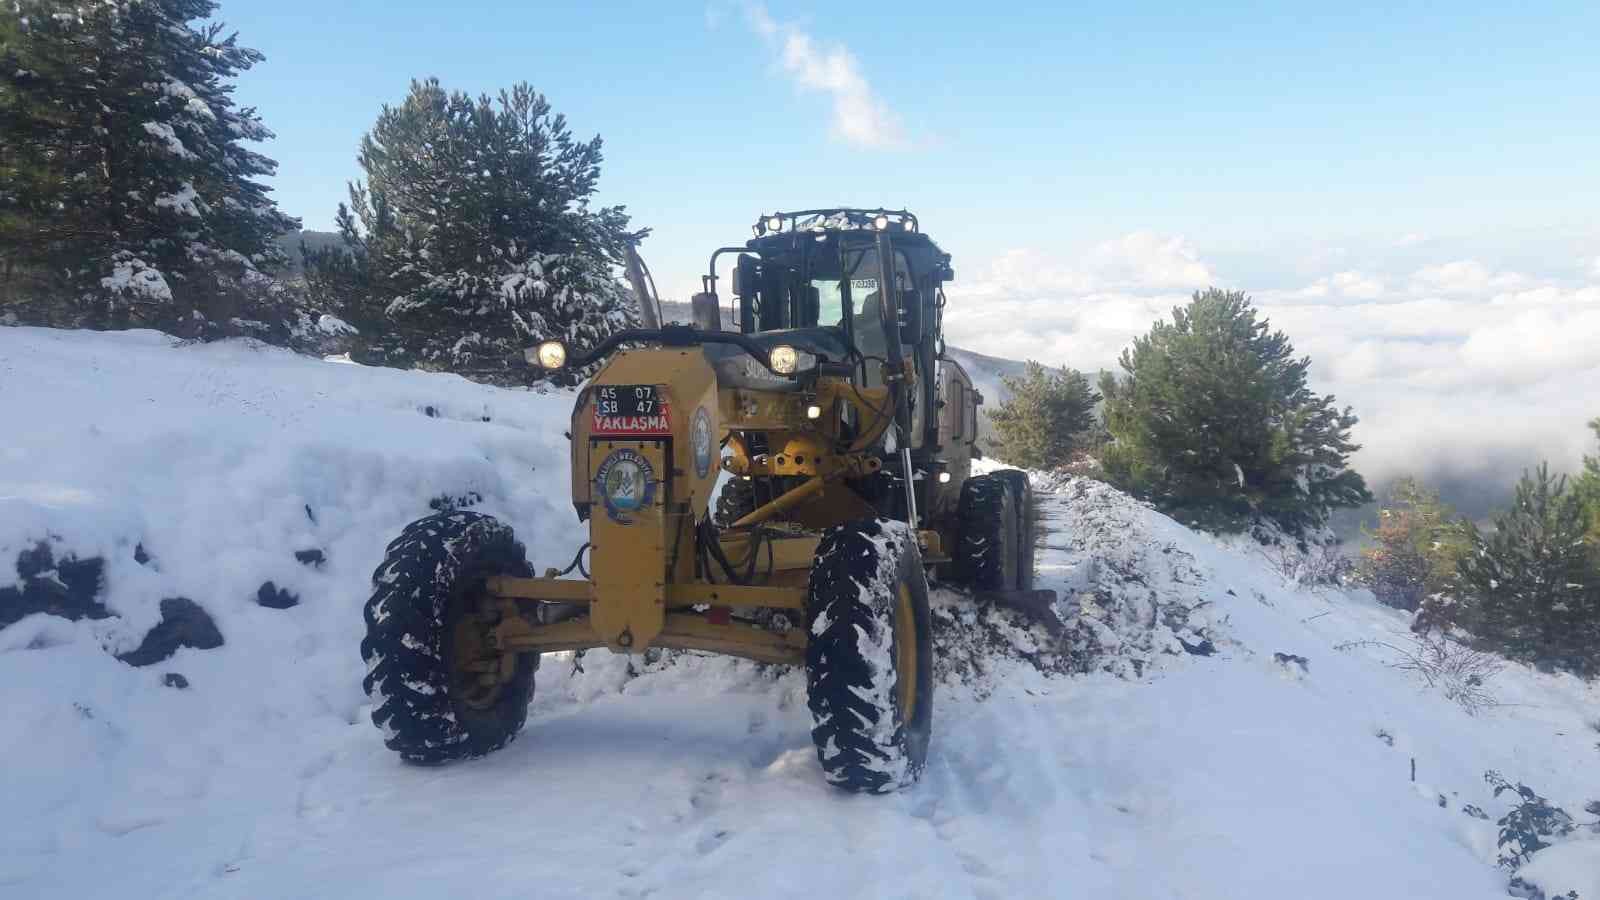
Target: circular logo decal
point(700, 441)
point(626, 483)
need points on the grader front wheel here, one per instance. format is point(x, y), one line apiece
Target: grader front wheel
point(436, 688)
point(869, 662)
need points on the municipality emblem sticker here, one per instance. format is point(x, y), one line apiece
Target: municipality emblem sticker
point(700, 441)
point(626, 483)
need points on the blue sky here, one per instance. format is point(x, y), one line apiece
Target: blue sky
point(1412, 190)
point(1242, 122)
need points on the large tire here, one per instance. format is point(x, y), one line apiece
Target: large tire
point(1022, 501)
point(869, 661)
point(986, 551)
point(430, 581)
point(737, 500)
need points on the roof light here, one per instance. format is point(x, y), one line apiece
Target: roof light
point(774, 223)
point(881, 222)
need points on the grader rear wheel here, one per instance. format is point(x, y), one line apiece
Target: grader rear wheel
point(986, 552)
point(869, 662)
point(1022, 501)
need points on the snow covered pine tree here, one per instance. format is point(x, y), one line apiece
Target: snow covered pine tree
point(473, 236)
point(127, 194)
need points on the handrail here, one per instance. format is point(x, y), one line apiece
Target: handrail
point(674, 336)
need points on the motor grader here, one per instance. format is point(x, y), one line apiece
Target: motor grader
point(783, 492)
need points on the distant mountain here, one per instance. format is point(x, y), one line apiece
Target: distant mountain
point(987, 373)
point(316, 240)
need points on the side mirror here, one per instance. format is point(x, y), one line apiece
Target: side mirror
point(706, 312)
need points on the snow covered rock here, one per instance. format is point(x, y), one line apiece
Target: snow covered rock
point(271, 596)
point(69, 588)
point(183, 624)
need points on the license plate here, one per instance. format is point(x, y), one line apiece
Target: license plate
point(630, 410)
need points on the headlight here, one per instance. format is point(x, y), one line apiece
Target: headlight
point(786, 360)
point(550, 355)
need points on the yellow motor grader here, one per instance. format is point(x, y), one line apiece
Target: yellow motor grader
point(781, 492)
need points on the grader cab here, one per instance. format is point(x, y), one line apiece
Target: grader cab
point(783, 492)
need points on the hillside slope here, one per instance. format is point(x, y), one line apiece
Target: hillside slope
point(1186, 760)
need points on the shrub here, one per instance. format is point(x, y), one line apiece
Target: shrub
point(1415, 548)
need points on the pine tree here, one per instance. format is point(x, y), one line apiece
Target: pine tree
point(472, 236)
point(1212, 421)
point(1529, 588)
point(124, 181)
point(1048, 418)
point(1587, 488)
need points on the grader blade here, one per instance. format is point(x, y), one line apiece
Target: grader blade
point(1036, 604)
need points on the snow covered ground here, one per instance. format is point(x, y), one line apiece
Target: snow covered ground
point(1160, 774)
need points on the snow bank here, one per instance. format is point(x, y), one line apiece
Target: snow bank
point(1217, 746)
point(1572, 866)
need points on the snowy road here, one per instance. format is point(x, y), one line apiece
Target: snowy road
point(1222, 776)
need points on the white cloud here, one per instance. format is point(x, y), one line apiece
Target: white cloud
point(1352, 284)
point(859, 117)
point(1080, 307)
point(1137, 261)
point(1459, 370)
point(1467, 276)
point(1594, 268)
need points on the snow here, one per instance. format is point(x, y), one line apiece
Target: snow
point(169, 139)
point(192, 102)
point(1573, 866)
point(1159, 774)
point(185, 201)
point(333, 325)
point(136, 280)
